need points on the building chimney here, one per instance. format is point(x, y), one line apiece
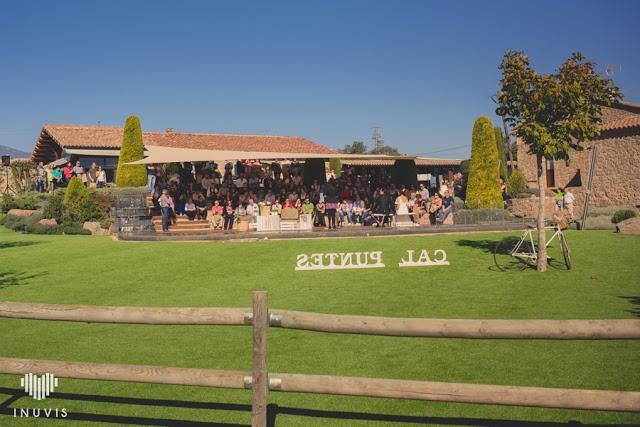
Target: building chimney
point(169, 131)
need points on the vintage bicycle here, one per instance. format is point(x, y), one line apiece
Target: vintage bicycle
point(516, 254)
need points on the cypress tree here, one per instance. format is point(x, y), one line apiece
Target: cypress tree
point(483, 187)
point(502, 157)
point(132, 149)
point(74, 189)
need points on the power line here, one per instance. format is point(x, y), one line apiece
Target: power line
point(444, 149)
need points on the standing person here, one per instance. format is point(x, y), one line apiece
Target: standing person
point(151, 177)
point(41, 180)
point(331, 202)
point(569, 200)
point(166, 206)
point(51, 180)
point(559, 199)
point(92, 175)
point(101, 177)
point(78, 171)
point(67, 173)
point(447, 207)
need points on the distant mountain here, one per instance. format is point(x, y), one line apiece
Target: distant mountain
point(13, 152)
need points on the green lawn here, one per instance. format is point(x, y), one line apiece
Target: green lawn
point(605, 284)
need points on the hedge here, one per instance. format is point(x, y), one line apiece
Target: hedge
point(132, 149)
point(483, 186)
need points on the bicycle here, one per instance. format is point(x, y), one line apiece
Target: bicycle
point(512, 253)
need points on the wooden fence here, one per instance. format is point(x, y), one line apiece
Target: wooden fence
point(261, 382)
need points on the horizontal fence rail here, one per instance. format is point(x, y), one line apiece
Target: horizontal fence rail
point(140, 315)
point(128, 373)
point(602, 400)
point(336, 323)
point(458, 328)
point(260, 381)
point(545, 397)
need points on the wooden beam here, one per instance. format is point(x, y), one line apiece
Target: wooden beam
point(601, 400)
point(458, 328)
point(260, 379)
point(142, 315)
point(128, 373)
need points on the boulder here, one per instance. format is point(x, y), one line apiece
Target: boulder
point(629, 226)
point(48, 221)
point(21, 212)
point(95, 228)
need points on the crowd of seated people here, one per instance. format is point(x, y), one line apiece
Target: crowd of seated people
point(222, 194)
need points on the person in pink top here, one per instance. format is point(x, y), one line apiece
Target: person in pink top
point(216, 220)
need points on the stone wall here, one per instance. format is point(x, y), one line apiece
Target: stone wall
point(528, 208)
point(616, 180)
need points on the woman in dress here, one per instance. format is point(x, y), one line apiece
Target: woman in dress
point(402, 204)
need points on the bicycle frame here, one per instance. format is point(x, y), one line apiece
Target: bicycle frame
point(528, 235)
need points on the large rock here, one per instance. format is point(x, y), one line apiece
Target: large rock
point(21, 212)
point(48, 221)
point(95, 228)
point(528, 208)
point(629, 226)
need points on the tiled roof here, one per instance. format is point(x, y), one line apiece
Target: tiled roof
point(421, 161)
point(623, 123)
point(77, 136)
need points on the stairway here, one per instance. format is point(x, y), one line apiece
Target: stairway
point(183, 225)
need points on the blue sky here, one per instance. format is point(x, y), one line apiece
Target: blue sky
point(328, 71)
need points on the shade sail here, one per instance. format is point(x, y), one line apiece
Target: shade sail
point(157, 154)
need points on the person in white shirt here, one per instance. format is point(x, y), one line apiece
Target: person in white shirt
point(569, 200)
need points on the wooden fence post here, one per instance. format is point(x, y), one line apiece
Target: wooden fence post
point(260, 380)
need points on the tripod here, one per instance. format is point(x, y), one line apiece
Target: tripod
point(7, 188)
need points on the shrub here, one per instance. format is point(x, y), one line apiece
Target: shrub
point(623, 214)
point(54, 206)
point(502, 158)
point(20, 223)
point(483, 186)
point(74, 229)
point(28, 200)
point(74, 188)
point(81, 208)
point(336, 166)
point(516, 183)
point(132, 149)
point(475, 216)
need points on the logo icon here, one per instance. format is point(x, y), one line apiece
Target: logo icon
point(39, 387)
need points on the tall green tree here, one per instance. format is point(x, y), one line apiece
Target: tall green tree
point(552, 114)
point(483, 186)
point(132, 149)
point(502, 158)
point(357, 147)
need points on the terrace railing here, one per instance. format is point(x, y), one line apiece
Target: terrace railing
point(260, 381)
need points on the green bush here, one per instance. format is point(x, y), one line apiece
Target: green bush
point(623, 214)
point(336, 166)
point(516, 183)
point(28, 200)
point(20, 223)
point(483, 186)
point(74, 229)
point(55, 207)
point(74, 188)
point(81, 208)
point(476, 216)
point(502, 158)
point(132, 149)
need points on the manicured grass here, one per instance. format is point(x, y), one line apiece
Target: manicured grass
point(97, 270)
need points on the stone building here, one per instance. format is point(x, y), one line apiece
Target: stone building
point(616, 177)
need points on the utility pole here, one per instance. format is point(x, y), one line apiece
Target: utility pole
point(378, 142)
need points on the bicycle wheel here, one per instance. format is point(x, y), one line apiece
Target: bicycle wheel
point(513, 254)
point(565, 251)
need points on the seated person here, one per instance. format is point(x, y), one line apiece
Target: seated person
point(216, 220)
point(307, 206)
point(190, 209)
point(201, 205)
point(447, 207)
point(434, 208)
point(182, 201)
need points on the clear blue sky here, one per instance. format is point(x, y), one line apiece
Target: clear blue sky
point(328, 71)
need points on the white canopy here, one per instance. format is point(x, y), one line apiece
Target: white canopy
point(157, 154)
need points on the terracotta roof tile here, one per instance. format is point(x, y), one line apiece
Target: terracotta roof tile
point(623, 123)
point(77, 136)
